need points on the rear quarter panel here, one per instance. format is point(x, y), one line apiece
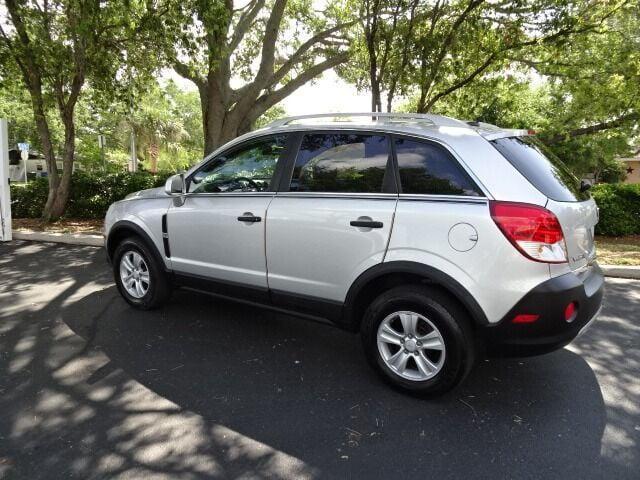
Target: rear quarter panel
point(493, 271)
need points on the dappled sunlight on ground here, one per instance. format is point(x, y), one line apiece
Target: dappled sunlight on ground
point(67, 397)
point(613, 352)
point(203, 388)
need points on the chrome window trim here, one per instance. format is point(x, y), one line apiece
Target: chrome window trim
point(342, 195)
point(423, 197)
point(229, 194)
point(350, 196)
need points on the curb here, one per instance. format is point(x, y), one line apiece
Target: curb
point(68, 238)
point(621, 271)
point(617, 271)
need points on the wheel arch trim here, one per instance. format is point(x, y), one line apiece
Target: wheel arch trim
point(127, 225)
point(427, 272)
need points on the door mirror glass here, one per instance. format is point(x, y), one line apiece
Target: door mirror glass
point(175, 185)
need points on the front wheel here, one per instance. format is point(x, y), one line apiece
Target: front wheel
point(141, 281)
point(418, 339)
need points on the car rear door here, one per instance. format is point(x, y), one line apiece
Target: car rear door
point(216, 231)
point(332, 217)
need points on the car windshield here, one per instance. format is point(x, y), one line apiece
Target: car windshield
point(541, 167)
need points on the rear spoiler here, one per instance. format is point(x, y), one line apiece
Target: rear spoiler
point(491, 132)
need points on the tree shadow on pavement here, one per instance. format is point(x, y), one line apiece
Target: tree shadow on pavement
point(205, 388)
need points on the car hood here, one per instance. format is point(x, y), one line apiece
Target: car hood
point(148, 193)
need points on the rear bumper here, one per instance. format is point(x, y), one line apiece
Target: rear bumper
point(548, 300)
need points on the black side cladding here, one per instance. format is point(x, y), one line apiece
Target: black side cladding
point(165, 236)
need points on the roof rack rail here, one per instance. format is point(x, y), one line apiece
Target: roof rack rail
point(376, 117)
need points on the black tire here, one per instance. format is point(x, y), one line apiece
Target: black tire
point(159, 287)
point(448, 317)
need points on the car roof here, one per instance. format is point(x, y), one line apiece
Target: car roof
point(426, 125)
point(415, 123)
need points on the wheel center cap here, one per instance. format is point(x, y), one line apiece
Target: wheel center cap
point(411, 345)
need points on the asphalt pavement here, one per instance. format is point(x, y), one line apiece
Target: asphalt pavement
point(204, 388)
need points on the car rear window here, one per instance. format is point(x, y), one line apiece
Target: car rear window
point(542, 168)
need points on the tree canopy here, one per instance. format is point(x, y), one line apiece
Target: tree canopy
point(245, 59)
point(73, 69)
point(55, 48)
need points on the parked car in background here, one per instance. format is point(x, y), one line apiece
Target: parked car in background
point(439, 241)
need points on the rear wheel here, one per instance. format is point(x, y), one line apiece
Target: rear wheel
point(418, 339)
point(141, 280)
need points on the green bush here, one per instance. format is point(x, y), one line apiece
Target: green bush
point(619, 208)
point(90, 195)
point(27, 200)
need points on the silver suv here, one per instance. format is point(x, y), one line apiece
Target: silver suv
point(439, 241)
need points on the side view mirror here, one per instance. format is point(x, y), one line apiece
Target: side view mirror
point(175, 185)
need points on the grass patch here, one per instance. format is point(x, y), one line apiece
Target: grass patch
point(618, 250)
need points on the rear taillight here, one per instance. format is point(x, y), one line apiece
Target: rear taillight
point(533, 230)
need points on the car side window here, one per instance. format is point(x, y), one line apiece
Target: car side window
point(428, 168)
point(249, 168)
point(341, 162)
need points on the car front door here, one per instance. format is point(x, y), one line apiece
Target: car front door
point(216, 231)
point(332, 220)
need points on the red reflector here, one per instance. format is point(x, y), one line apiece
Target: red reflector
point(531, 132)
point(571, 312)
point(525, 318)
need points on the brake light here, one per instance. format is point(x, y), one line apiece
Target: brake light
point(533, 230)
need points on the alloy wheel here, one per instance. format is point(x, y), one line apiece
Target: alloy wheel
point(134, 274)
point(411, 346)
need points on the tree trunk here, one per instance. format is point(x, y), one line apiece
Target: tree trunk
point(44, 133)
point(376, 100)
point(421, 107)
point(220, 125)
point(59, 204)
point(219, 129)
point(59, 194)
point(153, 157)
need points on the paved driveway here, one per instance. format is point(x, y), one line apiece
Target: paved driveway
point(204, 388)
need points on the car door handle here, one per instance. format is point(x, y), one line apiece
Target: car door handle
point(366, 224)
point(249, 218)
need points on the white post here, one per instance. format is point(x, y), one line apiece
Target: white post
point(133, 164)
point(5, 194)
point(24, 154)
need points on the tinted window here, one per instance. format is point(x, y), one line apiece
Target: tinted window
point(247, 169)
point(341, 162)
point(427, 168)
point(543, 169)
